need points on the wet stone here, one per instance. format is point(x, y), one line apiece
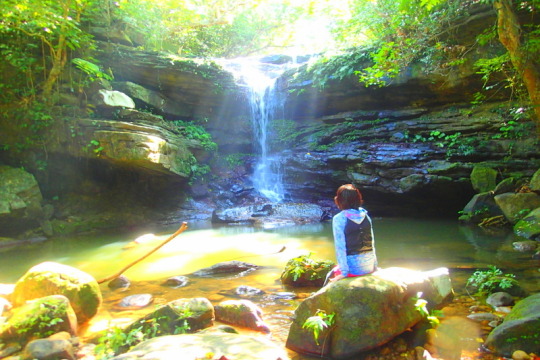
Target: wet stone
point(500, 299)
point(284, 295)
point(484, 316)
point(228, 268)
point(525, 246)
point(121, 282)
point(136, 301)
point(176, 281)
point(248, 291)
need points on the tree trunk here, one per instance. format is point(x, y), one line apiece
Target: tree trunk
point(59, 59)
point(509, 31)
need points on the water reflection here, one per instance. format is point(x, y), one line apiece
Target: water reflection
point(413, 243)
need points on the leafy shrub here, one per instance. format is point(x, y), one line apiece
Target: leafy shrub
point(196, 132)
point(305, 271)
point(488, 281)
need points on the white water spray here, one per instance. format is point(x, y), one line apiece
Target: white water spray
point(266, 104)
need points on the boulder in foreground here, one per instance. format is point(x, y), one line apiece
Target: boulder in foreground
point(200, 346)
point(519, 330)
point(368, 311)
point(49, 278)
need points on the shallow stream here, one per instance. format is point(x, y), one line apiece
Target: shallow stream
point(411, 243)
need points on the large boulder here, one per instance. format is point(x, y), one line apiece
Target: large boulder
point(51, 278)
point(519, 330)
point(40, 318)
point(200, 346)
point(481, 206)
point(512, 205)
point(368, 310)
point(20, 201)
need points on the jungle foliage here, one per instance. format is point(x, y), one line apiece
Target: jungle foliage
point(372, 40)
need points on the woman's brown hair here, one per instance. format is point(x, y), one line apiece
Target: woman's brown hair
point(348, 197)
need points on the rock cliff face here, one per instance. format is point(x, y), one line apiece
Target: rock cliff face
point(410, 145)
point(417, 161)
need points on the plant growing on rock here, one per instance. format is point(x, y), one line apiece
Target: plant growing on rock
point(196, 132)
point(433, 316)
point(318, 323)
point(305, 271)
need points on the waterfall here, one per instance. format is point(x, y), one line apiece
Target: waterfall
point(266, 104)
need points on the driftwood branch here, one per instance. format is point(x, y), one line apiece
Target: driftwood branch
point(180, 230)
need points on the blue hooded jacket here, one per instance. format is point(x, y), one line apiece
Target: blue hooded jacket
point(353, 241)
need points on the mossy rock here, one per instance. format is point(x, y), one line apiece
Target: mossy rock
point(368, 310)
point(304, 271)
point(529, 226)
point(483, 179)
point(535, 181)
point(519, 330)
point(39, 319)
point(190, 314)
point(51, 278)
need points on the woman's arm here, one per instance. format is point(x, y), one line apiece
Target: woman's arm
point(338, 228)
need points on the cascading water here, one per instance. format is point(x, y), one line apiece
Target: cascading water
point(266, 104)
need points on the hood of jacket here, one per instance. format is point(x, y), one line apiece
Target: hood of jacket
point(356, 215)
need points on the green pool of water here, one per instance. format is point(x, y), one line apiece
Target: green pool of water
point(411, 243)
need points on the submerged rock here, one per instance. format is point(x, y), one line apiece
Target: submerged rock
point(136, 301)
point(176, 281)
point(121, 282)
point(525, 246)
point(227, 268)
point(367, 311)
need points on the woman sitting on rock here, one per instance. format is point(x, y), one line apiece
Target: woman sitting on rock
point(353, 236)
